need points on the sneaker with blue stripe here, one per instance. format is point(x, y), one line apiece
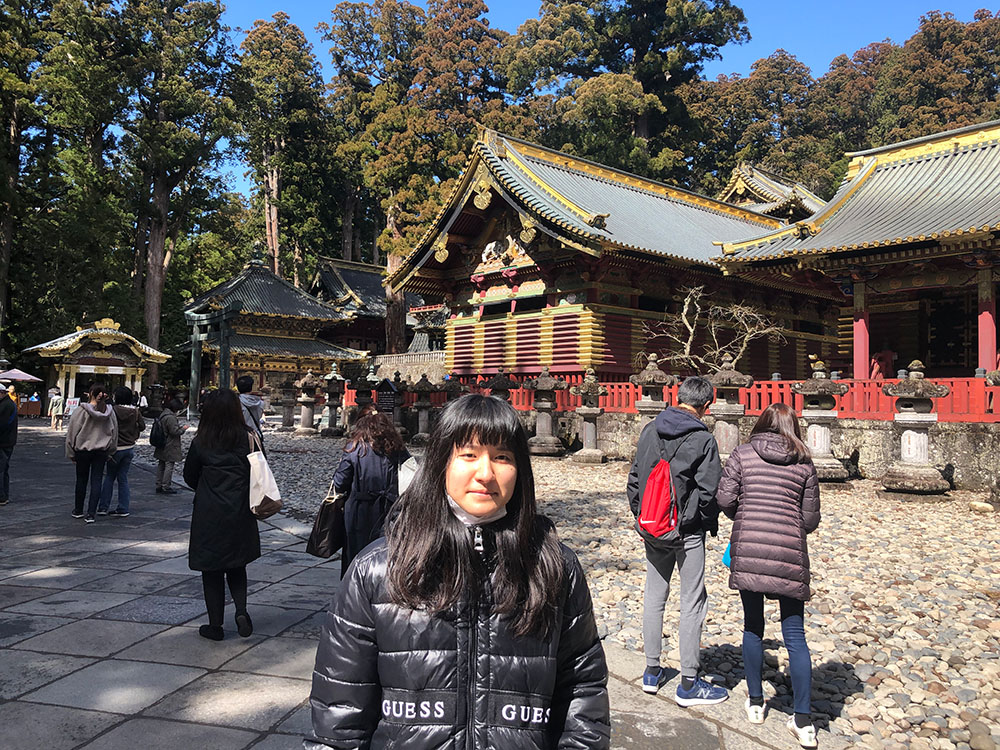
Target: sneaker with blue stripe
point(700, 694)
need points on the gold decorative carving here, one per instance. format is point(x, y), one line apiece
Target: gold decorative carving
point(441, 251)
point(528, 230)
point(484, 195)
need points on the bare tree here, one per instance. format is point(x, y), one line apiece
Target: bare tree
point(697, 337)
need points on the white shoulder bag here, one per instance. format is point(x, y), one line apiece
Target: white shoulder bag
point(265, 497)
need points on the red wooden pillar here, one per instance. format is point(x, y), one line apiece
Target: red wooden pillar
point(987, 321)
point(862, 354)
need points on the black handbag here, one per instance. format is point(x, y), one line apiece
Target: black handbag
point(328, 531)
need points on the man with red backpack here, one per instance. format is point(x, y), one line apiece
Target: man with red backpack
point(671, 491)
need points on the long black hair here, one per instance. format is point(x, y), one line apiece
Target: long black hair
point(221, 426)
point(432, 562)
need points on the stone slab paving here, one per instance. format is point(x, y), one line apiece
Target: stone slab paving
point(99, 646)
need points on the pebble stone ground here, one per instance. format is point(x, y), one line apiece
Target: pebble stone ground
point(903, 625)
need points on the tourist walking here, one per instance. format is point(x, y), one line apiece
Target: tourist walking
point(771, 491)
point(469, 625)
point(224, 536)
point(130, 426)
point(170, 452)
point(56, 408)
point(368, 474)
point(91, 437)
point(8, 439)
point(679, 436)
point(252, 406)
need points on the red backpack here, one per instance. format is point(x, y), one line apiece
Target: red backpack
point(658, 513)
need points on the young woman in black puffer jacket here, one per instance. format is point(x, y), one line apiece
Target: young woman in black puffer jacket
point(469, 625)
point(769, 487)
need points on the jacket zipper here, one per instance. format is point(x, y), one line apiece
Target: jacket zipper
point(470, 736)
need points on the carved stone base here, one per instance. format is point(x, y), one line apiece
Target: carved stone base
point(306, 432)
point(332, 432)
point(829, 469)
point(589, 456)
point(916, 479)
point(284, 428)
point(421, 438)
point(913, 497)
point(546, 446)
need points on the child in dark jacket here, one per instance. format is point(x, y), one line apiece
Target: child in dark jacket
point(770, 488)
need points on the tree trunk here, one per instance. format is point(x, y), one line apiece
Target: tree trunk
point(347, 228)
point(139, 242)
point(641, 127)
point(156, 266)
point(272, 191)
point(395, 302)
point(12, 168)
point(298, 263)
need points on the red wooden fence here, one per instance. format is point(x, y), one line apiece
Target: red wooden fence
point(970, 400)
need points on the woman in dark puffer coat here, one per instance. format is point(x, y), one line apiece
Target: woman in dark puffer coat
point(769, 487)
point(469, 625)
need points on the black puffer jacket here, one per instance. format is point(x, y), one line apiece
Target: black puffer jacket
point(694, 465)
point(224, 532)
point(775, 503)
point(391, 677)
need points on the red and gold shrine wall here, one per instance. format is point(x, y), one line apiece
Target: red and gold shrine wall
point(567, 339)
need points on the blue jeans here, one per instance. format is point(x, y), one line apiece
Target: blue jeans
point(793, 632)
point(118, 466)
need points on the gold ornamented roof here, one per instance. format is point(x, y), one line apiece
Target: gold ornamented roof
point(588, 206)
point(766, 192)
point(923, 190)
point(105, 332)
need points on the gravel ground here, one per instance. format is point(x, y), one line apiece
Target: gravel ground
point(903, 625)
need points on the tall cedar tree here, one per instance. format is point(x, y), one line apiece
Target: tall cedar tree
point(183, 109)
point(281, 116)
point(626, 60)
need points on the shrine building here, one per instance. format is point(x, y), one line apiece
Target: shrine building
point(908, 247)
point(766, 193)
point(546, 259)
point(280, 333)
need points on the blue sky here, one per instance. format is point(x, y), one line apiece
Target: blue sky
point(815, 32)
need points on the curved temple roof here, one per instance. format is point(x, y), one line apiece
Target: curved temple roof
point(596, 207)
point(104, 331)
point(925, 189)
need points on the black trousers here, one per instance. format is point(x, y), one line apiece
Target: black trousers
point(213, 583)
point(89, 470)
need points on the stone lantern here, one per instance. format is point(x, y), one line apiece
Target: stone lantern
point(399, 399)
point(819, 410)
point(156, 393)
point(500, 385)
point(590, 392)
point(913, 472)
point(545, 443)
point(651, 380)
point(363, 387)
point(287, 406)
point(423, 388)
point(307, 402)
point(452, 388)
point(335, 387)
point(726, 408)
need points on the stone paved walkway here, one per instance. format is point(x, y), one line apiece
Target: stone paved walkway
point(99, 646)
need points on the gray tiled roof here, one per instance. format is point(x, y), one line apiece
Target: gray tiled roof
point(278, 346)
point(945, 191)
point(359, 285)
point(641, 214)
point(264, 293)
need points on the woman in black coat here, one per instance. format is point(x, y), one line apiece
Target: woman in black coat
point(224, 535)
point(369, 473)
point(469, 626)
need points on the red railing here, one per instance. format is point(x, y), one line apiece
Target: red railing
point(970, 400)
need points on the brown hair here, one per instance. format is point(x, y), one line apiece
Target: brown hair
point(781, 419)
point(375, 432)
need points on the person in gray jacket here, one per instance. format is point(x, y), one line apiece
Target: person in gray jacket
point(771, 490)
point(678, 436)
point(91, 437)
point(170, 453)
point(251, 405)
point(130, 426)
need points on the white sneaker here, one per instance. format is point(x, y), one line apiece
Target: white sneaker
point(805, 735)
point(755, 714)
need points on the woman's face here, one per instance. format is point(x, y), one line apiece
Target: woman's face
point(481, 478)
